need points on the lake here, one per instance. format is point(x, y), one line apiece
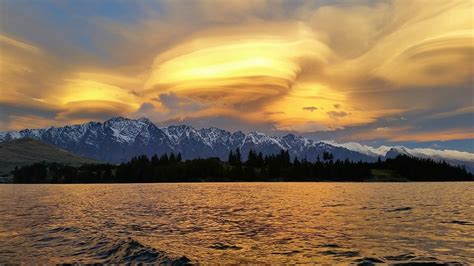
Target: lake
point(238, 223)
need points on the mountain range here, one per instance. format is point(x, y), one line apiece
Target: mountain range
point(119, 139)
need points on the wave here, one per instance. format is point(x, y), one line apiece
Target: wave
point(101, 249)
point(224, 246)
point(405, 259)
point(131, 251)
point(459, 222)
point(401, 209)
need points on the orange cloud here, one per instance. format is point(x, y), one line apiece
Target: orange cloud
point(404, 134)
point(34, 121)
point(443, 135)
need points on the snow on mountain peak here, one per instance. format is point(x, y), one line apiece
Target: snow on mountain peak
point(125, 130)
point(383, 151)
point(354, 146)
point(144, 120)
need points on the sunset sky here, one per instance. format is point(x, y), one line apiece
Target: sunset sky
point(377, 72)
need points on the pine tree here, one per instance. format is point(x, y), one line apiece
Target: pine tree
point(238, 157)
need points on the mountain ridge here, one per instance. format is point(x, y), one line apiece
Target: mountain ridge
point(119, 139)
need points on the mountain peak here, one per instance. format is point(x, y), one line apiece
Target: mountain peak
point(145, 120)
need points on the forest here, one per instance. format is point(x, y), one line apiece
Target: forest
point(257, 168)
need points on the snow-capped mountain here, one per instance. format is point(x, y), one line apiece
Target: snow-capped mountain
point(386, 151)
point(119, 139)
point(452, 156)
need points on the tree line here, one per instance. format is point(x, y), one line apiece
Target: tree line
point(275, 167)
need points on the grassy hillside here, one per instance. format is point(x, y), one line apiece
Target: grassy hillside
point(21, 152)
point(385, 175)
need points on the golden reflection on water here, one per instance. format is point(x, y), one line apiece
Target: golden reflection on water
point(238, 222)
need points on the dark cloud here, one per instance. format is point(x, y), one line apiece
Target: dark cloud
point(310, 108)
point(11, 111)
point(7, 109)
point(170, 101)
point(274, 113)
point(146, 107)
point(337, 114)
point(134, 92)
point(173, 103)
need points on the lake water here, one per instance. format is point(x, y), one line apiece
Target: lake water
point(238, 222)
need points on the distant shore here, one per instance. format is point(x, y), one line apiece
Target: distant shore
point(271, 168)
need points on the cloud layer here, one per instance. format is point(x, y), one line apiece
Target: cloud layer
point(309, 66)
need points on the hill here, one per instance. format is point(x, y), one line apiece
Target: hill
point(26, 151)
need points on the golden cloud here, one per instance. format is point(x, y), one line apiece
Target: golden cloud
point(442, 60)
point(264, 65)
point(405, 134)
point(415, 45)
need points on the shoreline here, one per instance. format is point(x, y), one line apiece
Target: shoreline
point(250, 182)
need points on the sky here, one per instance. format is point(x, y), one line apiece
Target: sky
point(376, 72)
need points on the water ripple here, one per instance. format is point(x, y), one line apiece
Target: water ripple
point(238, 223)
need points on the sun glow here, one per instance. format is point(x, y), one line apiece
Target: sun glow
point(233, 60)
point(88, 90)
